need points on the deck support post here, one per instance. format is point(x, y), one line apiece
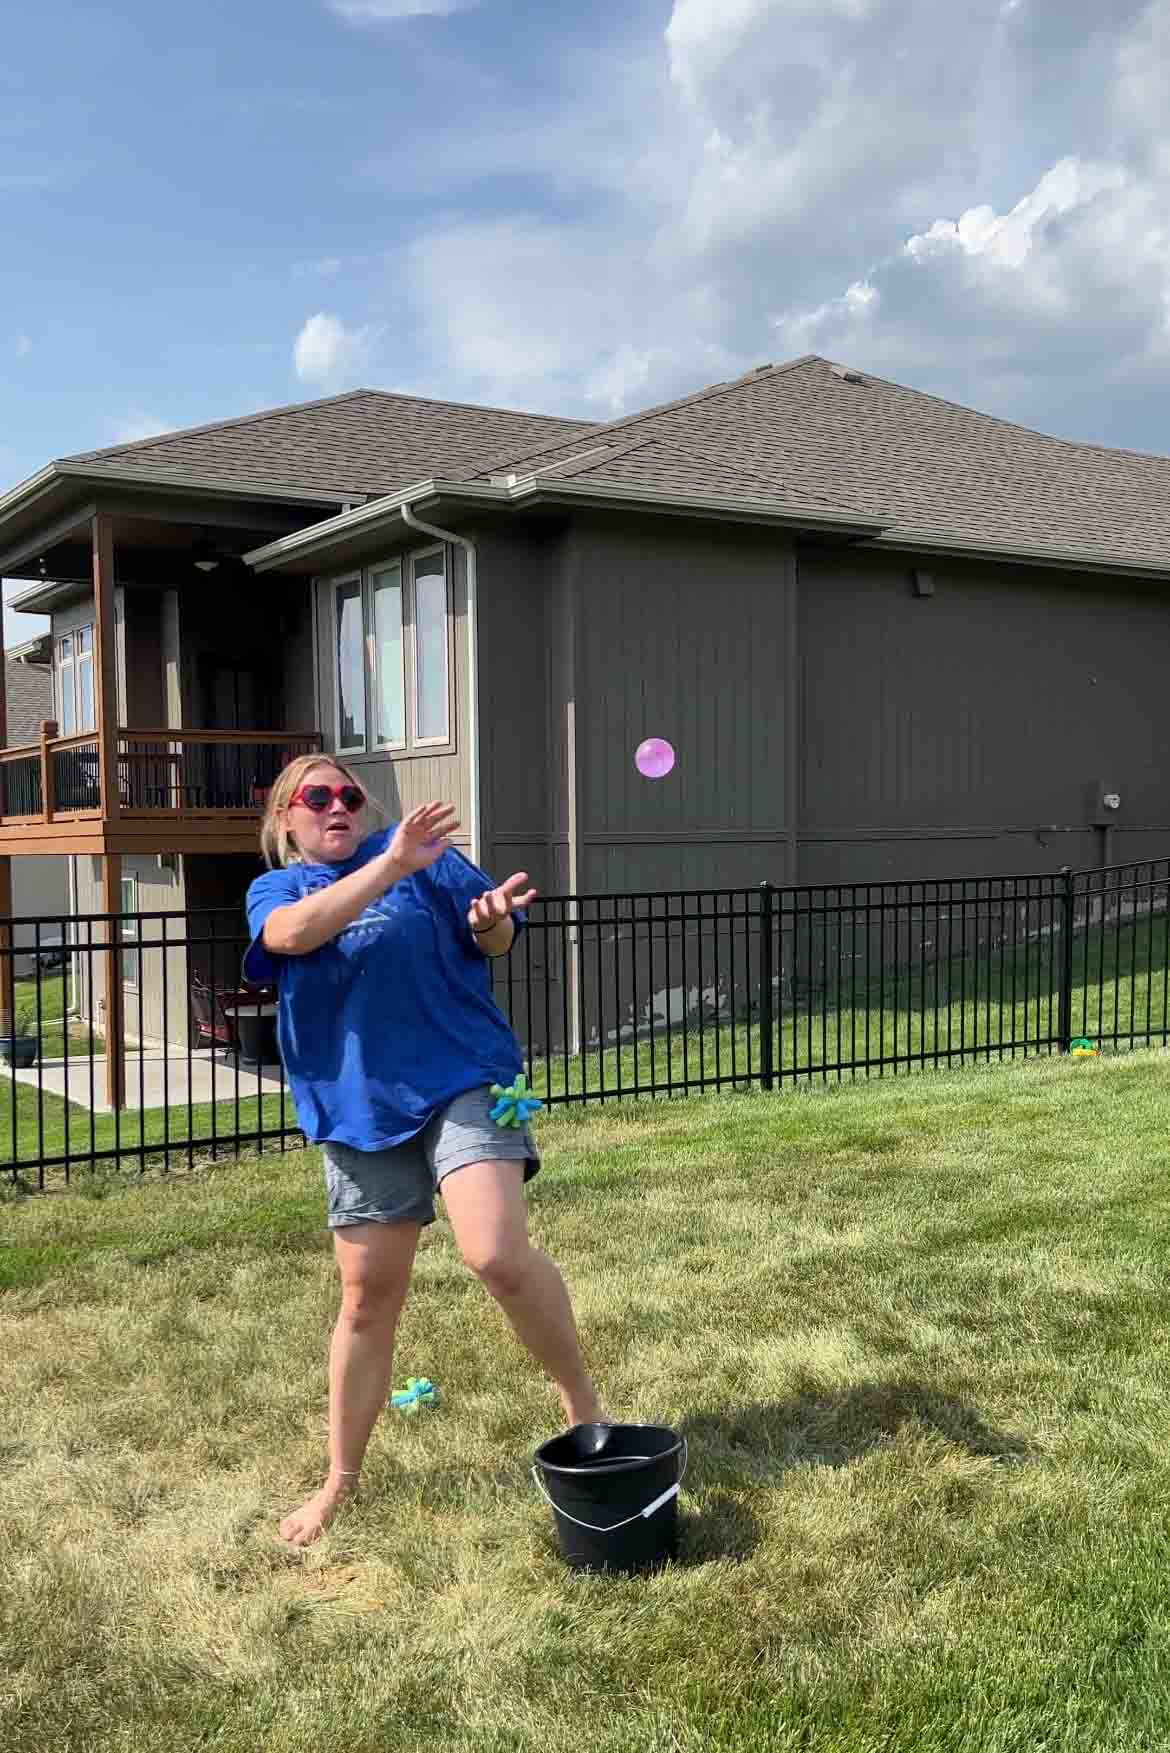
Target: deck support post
point(106, 704)
point(105, 664)
point(113, 1006)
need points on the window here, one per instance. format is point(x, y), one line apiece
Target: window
point(86, 709)
point(391, 664)
point(389, 671)
point(432, 718)
point(76, 710)
point(351, 685)
point(130, 930)
point(66, 687)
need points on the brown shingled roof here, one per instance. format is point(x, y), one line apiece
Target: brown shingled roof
point(931, 470)
point(663, 465)
point(29, 693)
point(366, 442)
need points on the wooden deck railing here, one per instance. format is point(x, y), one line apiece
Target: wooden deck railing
point(160, 772)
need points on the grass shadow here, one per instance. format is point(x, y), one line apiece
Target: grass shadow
point(724, 1528)
point(830, 1428)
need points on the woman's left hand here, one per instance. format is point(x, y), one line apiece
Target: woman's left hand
point(496, 905)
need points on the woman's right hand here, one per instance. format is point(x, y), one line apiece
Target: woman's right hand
point(421, 838)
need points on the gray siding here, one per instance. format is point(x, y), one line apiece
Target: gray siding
point(148, 1015)
point(683, 634)
point(563, 694)
point(40, 887)
point(77, 614)
point(964, 732)
point(524, 796)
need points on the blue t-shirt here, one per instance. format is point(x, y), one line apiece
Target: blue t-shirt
point(386, 1024)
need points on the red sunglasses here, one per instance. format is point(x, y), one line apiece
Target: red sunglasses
point(319, 797)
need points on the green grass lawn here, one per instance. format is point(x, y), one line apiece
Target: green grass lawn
point(43, 1014)
point(917, 1334)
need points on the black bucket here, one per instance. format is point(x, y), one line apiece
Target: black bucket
point(613, 1489)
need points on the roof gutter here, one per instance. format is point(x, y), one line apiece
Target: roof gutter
point(372, 516)
point(468, 546)
point(27, 489)
point(989, 552)
point(532, 491)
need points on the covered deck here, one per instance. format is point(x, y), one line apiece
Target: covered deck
point(190, 716)
point(172, 790)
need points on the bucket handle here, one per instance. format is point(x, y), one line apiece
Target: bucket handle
point(641, 1515)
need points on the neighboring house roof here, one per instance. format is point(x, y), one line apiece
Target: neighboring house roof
point(29, 692)
point(932, 472)
point(363, 443)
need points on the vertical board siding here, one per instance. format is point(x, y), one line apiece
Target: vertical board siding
point(521, 708)
point(159, 891)
point(684, 637)
point(963, 732)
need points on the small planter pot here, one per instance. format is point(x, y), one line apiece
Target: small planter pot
point(18, 1050)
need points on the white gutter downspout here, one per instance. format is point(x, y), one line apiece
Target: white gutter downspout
point(468, 546)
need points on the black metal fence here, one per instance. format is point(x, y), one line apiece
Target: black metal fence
point(611, 997)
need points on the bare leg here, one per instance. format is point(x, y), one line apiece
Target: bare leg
point(486, 1206)
point(374, 1261)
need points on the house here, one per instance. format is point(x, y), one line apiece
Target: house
point(888, 636)
point(40, 885)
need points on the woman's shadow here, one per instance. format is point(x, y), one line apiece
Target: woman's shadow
point(758, 1445)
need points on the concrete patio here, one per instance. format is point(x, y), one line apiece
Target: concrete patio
point(155, 1078)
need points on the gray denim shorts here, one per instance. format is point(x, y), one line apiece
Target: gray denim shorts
point(399, 1185)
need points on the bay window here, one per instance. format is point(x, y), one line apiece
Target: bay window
point(392, 656)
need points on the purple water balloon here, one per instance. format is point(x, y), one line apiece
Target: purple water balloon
point(654, 758)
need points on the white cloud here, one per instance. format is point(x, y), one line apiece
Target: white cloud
point(704, 35)
point(381, 11)
point(329, 354)
point(971, 199)
point(133, 427)
point(1009, 240)
point(559, 319)
point(1056, 310)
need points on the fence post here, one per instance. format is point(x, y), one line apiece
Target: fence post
point(1068, 903)
point(7, 964)
point(767, 975)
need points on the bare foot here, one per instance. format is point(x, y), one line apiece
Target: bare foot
point(308, 1523)
point(583, 1409)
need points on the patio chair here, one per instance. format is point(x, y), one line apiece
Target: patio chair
point(212, 1028)
point(210, 1007)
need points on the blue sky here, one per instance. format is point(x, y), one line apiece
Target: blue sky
point(216, 209)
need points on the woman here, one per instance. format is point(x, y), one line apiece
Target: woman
point(391, 1040)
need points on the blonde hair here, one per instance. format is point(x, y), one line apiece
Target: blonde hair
point(276, 841)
